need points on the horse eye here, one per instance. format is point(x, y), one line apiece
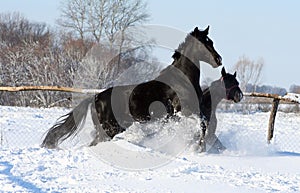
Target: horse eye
point(209, 41)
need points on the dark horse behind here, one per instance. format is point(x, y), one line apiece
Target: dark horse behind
point(227, 87)
point(175, 89)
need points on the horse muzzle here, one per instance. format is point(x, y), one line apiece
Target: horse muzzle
point(238, 96)
point(219, 60)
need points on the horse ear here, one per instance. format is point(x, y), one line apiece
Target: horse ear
point(234, 74)
point(223, 72)
point(195, 32)
point(206, 30)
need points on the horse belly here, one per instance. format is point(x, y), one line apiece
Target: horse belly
point(150, 101)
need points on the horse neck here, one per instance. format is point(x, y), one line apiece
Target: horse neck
point(217, 93)
point(189, 53)
point(189, 68)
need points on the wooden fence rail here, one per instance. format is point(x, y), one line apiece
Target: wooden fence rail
point(50, 88)
point(293, 98)
point(286, 98)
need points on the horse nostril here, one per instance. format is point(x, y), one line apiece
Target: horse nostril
point(238, 96)
point(241, 96)
point(219, 60)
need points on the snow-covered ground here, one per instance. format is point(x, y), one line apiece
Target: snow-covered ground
point(137, 161)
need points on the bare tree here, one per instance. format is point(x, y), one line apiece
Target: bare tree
point(102, 19)
point(74, 16)
point(108, 24)
point(249, 71)
point(122, 15)
point(97, 17)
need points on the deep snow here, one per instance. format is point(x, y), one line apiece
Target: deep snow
point(135, 162)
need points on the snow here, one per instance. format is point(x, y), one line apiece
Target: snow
point(293, 97)
point(140, 161)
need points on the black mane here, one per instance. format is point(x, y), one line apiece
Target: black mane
point(181, 47)
point(176, 55)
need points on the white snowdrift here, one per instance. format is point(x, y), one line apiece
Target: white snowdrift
point(139, 161)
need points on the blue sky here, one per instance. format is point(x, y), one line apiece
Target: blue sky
point(269, 29)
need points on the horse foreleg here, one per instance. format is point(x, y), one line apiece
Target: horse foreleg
point(203, 125)
point(214, 145)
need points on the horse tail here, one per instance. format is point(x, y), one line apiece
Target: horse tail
point(67, 125)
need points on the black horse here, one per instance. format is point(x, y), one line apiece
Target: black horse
point(175, 89)
point(227, 87)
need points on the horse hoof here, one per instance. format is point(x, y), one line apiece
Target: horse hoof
point(49, 146)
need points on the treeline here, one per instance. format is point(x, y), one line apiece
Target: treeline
point(34, 54)
point(266, 89)
point(295, 89)
point(272, 89)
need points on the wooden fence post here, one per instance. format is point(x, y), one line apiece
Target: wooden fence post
point(272, 119)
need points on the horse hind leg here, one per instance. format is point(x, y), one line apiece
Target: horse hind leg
point(102, 132)
point(100, 135)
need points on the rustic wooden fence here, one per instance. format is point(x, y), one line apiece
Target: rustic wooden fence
point(50, 88)
point(289, 97)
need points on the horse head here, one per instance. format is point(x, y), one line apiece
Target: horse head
point(232, 89)
point(199, 47)
point(208, 53)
